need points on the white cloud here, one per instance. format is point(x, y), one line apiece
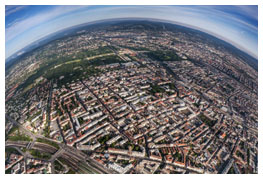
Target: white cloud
point(12, 9)
point(23, 25)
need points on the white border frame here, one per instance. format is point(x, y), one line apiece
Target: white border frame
point(133, 2)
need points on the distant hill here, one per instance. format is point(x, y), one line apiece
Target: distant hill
point(128, 23)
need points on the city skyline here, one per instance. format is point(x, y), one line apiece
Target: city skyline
point(26, 24)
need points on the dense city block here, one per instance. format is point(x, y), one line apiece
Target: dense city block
point(132, 97)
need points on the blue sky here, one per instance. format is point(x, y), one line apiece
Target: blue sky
point(237, 25)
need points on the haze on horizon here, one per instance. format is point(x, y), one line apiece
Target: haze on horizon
point(237, 25)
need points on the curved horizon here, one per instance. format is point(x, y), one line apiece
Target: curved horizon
point(241, 33)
